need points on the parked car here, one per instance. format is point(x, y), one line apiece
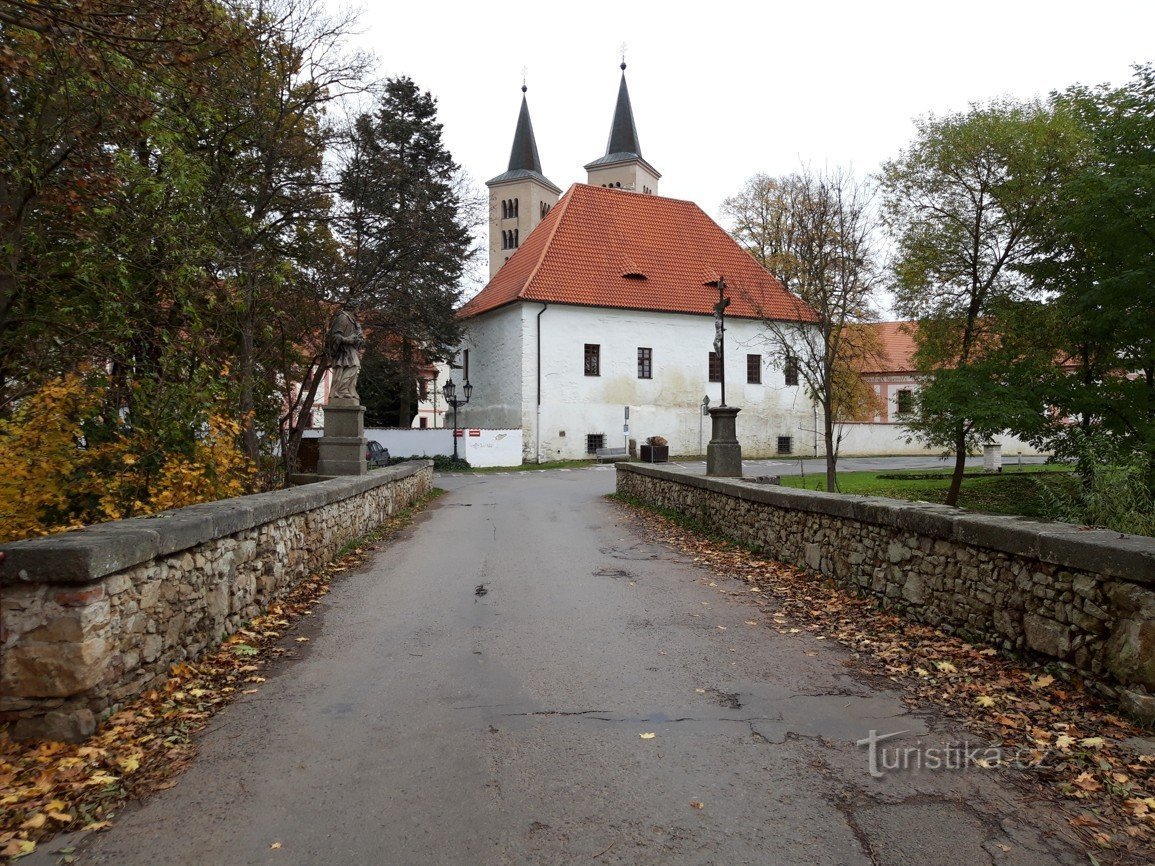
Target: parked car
point(376, 454)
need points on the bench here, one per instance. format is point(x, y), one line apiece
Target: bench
point(611, 455)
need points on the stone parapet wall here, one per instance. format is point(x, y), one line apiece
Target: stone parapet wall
point(1086, 598)
point(88, 619)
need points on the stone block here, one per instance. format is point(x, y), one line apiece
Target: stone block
point(1007, 622)
point(150, 647)
point(71, 726)
point(1138, 705)
point(912, 590)
point(82, 556)
point(1130, 652)
point(54, 670)
point(1047, 636)
point(814, 556)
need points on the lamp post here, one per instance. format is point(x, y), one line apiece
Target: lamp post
point(451, 399)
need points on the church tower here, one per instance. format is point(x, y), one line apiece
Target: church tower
point(623, 167)
point(520, 197)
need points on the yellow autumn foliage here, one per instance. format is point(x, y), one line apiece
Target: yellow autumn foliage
point(52, 479)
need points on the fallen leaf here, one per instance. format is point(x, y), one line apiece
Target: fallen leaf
point(1093, 742)
point(35, 822)
point(275, 846)
point(697, 804)
point(647, 736)
point(985, 701)
point(1043, 681)
point(302, 640)
point(18, 848)
point(946, 667)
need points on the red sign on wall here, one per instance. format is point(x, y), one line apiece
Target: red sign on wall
point(474, 432)
point(458, 433)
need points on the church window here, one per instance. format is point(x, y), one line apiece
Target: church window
point(593, 365)
point(515, 209)
point(904, 401)
point(754, 369)
point(715, 367)
point(504, 210)
point(504, 239)
point(516, 238)
point(645, 363)
point(790, 370)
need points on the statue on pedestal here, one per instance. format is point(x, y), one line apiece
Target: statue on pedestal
point(344, 343)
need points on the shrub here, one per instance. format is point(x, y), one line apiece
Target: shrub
point(1109, 496)
point(65, 464)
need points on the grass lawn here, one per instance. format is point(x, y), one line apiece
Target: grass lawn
point(1016, 490)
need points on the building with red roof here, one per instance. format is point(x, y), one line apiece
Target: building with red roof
point(602, 300)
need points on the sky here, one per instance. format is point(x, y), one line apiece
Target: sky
point(724, 90)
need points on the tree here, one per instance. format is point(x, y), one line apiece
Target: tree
point(814, 232)
point(964, 203)
point(406, 232)
point(1099, 269)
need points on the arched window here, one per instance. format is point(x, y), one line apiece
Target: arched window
point(504, 239)
point(515, 201)
point(504, 210)
point(516, 241)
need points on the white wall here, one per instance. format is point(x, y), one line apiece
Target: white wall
point(503, 356)
point(489, 448)
point(872, 440)
point(495, 347)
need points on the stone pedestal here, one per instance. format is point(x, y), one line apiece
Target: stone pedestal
point(342, 448)
point(724, 454)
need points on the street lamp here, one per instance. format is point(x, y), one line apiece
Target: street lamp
point(450, 392)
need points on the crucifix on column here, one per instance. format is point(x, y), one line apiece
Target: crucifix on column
point(723, 454)
point(719, 332)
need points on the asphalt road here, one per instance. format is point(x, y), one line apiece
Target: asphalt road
point(478, 693)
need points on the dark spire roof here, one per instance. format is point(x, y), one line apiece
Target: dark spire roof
point(523, 158)
point(623, 145)
point(623, 133)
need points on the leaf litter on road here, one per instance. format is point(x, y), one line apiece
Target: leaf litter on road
point(1079, 752)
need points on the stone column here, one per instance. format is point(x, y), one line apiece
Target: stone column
point(724, 454)
point(341, 450)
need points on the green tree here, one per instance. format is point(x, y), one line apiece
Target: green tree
point(815, 231)
point(405, 226)
point(1100, 271)
point(965, 203)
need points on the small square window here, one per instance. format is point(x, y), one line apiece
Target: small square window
point(785, 444)
point(790, 370)
point(593, 359)
point(594, 441)
point(715, 367)
point(904, 402)
point(645, 363)
point(754, 369)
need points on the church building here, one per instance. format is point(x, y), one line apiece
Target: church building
point(602, 299)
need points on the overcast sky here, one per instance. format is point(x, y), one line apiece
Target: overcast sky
point(723, 90)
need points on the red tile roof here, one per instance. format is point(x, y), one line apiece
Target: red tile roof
point(895, 348)
point(611, 248)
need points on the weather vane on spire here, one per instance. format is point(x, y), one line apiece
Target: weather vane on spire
point(524, 75)
point(623, 57)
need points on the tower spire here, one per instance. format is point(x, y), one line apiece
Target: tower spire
point(521, 196)
point(623, 166)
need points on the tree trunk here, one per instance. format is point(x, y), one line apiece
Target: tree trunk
point(246, 364)
point(960, 465)
point(831, 450)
